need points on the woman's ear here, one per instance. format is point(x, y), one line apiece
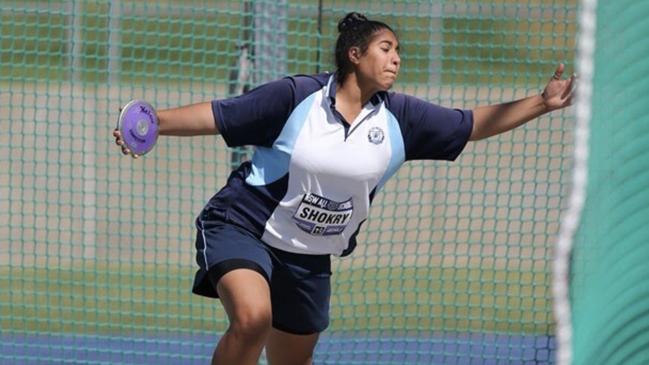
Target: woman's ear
point(354, 55)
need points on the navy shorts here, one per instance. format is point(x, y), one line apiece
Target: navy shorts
point(299, 284)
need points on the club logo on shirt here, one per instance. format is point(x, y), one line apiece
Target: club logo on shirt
point(321, 216)
point(375, 135)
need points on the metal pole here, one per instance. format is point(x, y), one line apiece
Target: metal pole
point(240, 78)
point(268, 53)
point(114, 41)
point(270, 50)
point(319, 43)
point(74, 39)
point(435, 41)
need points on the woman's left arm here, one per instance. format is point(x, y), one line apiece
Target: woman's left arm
point(499, 118)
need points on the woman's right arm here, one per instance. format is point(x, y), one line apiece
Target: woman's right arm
point(189, 120)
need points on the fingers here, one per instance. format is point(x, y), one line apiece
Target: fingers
point(559, 92)
point(558, 72)
point(118, 139)
point(120, 142)
point(570, 87)
point(126, 151)
point(569, 100)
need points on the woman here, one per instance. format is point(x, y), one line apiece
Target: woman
point(324, 145)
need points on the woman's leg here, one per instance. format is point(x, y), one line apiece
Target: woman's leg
point(245, 295)
point(283, 348)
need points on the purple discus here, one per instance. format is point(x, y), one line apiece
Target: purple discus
point(138, 125)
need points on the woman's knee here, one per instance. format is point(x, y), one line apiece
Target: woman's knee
point(246, 298)
point(251, 322)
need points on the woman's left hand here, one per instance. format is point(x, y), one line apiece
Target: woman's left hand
point(558, 93)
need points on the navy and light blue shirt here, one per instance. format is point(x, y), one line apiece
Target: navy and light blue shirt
point(313, 176)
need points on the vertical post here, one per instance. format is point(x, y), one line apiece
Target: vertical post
point(270, 51)
point(114, 40)
point(74, 39)
point(239, 81)
point(435, 40)
point(240, 78)
point(89, 177)
point(319, 43)
point(89, 191)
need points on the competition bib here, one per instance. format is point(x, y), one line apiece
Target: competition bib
point(321, 216)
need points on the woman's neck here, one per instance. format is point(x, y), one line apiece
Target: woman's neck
point(352, 93)
point(351, 96)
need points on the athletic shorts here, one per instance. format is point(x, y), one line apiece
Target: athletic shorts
point(299, 284)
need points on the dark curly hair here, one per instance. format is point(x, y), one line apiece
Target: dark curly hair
point(355, 31)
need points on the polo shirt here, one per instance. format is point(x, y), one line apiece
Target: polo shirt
point(313, 176)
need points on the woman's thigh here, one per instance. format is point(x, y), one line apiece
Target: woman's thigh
point(245, 295)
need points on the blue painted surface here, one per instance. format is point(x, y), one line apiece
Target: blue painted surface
point(460, 349)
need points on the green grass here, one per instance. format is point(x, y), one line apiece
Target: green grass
point(200, 47)
point(101, 300)
point(505, 51)
point(129, 299)
point(442, 299)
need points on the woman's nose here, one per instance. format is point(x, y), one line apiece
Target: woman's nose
point(396, 59)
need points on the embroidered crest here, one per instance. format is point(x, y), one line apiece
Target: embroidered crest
point(375, 135)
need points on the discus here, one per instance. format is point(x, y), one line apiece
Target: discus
point(138, 125)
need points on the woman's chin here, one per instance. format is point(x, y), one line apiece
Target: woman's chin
point(387, 86)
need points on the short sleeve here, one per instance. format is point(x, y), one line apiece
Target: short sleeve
point(256, 117)
point(430, 131)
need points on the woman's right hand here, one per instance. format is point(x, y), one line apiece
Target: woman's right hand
point(120, 142)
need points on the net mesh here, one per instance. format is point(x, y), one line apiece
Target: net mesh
point(96, 250)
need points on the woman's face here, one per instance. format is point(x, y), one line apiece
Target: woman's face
point(379, 65)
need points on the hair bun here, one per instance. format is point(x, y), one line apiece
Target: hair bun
point(350, 21)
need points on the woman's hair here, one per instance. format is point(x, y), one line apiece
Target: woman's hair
point(355, 31)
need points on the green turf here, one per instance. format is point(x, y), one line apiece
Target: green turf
point(124, 298)
point(199, 47)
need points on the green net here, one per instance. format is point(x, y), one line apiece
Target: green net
point(609, 288)
point(97, 250)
